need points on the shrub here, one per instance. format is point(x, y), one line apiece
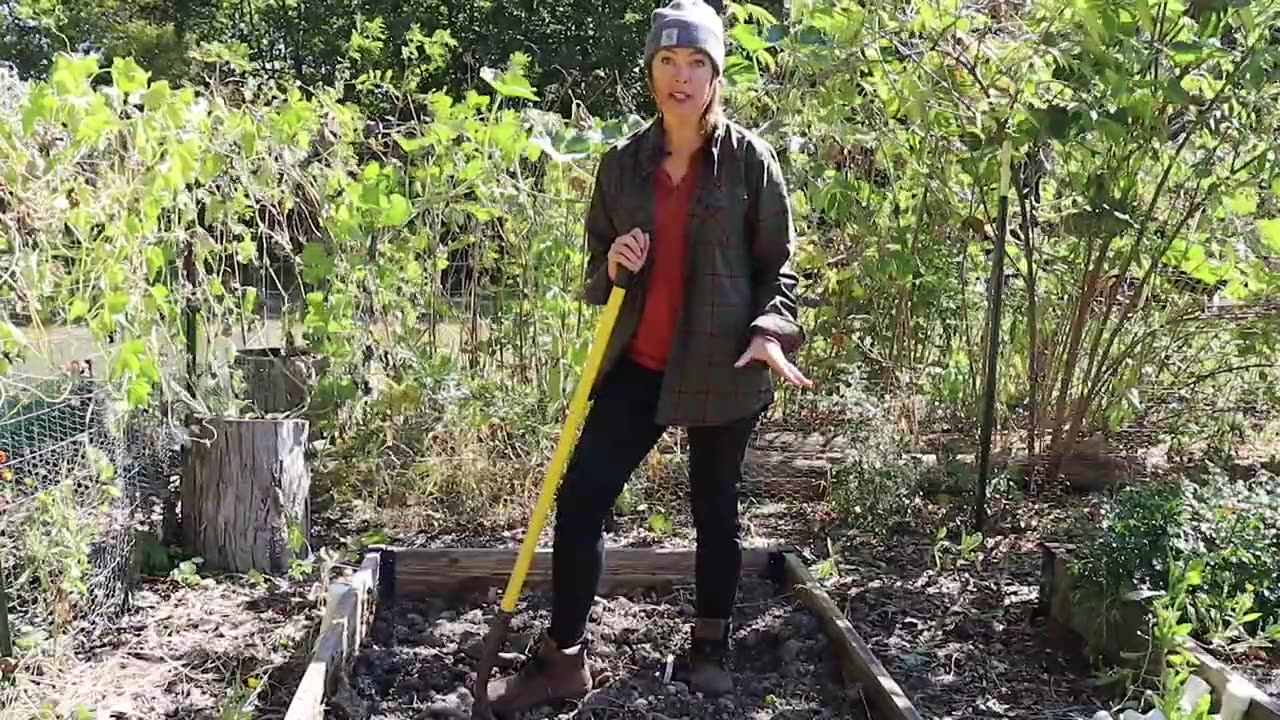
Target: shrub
point(875, 483)
point(1231, 525)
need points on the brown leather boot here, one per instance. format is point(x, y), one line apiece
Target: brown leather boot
point(707, 661)
point(550, 676)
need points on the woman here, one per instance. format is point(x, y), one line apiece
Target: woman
point(696, 208)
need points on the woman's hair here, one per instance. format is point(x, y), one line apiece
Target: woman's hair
point(714, 112)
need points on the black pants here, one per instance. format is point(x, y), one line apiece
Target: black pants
point(617, 435)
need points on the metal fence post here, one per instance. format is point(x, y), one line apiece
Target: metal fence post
point(6, 636)
point(993, 343)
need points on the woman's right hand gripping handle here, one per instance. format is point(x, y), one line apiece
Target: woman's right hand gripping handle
point(627, 255)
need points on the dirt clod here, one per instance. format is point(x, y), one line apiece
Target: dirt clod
point(420, 661)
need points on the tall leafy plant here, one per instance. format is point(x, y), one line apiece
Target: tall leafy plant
point(1145, 184)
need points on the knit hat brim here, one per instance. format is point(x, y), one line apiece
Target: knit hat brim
point(687, 24)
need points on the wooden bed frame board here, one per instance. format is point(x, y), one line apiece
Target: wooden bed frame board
point(418, 573)
point(430, 572)
point(348, 615)
point(859, 664)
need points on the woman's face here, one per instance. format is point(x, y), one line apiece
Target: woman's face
point(683, 79)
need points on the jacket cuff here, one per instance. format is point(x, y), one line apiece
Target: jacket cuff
point(597, 287)
point(788, 334)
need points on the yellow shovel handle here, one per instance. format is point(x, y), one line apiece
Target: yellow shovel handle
point(564, 448)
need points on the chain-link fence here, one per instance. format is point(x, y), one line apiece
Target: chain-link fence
point(79, 477)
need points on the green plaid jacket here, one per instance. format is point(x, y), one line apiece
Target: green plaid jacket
point(739, 280)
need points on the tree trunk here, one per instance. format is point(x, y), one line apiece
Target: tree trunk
point(278, 381)
point(247, 484)
point(1061, 442)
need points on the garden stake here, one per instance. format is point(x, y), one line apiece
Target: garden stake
point(993, 343)
point(6, 637)
point(568, 439)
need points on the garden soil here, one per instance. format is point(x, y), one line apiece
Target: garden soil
point(421, 657)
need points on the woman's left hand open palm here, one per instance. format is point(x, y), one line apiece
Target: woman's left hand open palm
point(769, 351)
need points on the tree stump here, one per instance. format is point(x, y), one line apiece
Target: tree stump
point(278, 380)
point(247, 483)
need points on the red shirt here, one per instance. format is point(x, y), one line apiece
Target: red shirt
point(651, 343)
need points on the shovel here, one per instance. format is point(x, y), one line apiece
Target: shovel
point(501, 622)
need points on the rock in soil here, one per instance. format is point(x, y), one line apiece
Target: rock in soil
point(421, 657)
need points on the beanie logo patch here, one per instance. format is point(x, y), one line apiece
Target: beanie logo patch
point(670, 36)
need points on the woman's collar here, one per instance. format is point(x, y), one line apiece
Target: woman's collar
point(654, 143)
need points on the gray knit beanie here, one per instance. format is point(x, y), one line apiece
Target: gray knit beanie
point(689, 24)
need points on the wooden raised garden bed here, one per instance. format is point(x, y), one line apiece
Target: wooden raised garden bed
point(1124, 632)
point(389, 575)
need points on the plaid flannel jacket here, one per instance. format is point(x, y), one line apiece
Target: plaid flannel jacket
point(739, 275)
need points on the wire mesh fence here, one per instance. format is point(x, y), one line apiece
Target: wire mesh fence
point(79, 476)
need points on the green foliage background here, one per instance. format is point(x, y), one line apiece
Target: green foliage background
point(585, 51)
point(1144, 176)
